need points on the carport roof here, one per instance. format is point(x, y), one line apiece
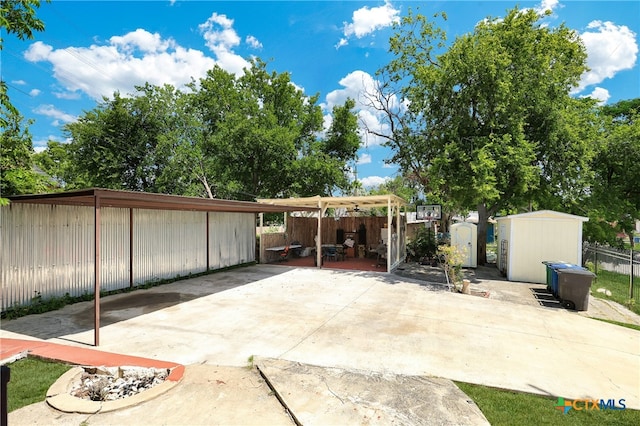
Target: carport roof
point(144, 200)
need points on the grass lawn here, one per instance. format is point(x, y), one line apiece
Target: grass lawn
point(30, 379)
point(502, 407)
point(618, 285)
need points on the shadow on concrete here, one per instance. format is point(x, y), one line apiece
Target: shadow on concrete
point(79, 317)
point(483, 272)
point(545, 298)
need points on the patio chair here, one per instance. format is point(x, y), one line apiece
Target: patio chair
point(331, 253)
point(340, 252)
point(382, 255)
point(284, 256)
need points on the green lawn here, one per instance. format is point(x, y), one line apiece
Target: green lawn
point(30, 379)
point(618, 285)
point(502, 407)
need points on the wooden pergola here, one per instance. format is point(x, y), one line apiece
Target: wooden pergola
point(393, 203)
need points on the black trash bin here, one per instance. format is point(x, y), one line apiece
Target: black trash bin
point(573, 287)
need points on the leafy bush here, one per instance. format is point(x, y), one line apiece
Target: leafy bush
point(423, 245)
point(452, 258)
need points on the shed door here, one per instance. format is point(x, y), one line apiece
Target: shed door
point(465, 241)
point(463, 237)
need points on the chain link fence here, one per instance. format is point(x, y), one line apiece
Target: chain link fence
point(625, 262)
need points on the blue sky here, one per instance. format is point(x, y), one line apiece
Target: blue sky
point(92, 48)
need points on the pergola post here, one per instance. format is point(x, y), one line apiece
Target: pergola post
point(398, 248)
point(260, 259)
point(321, 211)
point(389, 233)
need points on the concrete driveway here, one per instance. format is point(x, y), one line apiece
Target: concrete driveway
point(358, 321)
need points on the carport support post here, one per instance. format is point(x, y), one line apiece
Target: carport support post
point(96, 271)
point(130, 248)
point(389, 233)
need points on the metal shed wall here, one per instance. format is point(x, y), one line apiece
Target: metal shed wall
point(168, 243)
point(232, 239)
point(536, 237)
point(48, 250)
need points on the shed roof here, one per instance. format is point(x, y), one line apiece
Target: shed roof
point(544, 214)
point(363, 201)
point(145, 200)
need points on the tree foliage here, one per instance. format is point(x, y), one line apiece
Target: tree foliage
point(251, 136)
point(488, 123)
point(17, 17)
point(17, 173)
point(615, 193)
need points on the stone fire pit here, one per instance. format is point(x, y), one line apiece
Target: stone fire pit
point(93, 389)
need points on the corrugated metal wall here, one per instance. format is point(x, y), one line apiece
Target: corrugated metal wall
point(46, 250)
point(114, 249)
point(232, 239)
point(49, 250)
point(168, 243)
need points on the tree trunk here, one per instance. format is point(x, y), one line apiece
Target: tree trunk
point(483, 217)
point(207, 188)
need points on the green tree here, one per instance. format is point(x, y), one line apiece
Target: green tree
point(487, 123)
point(256, 135)
point(616, 186)
point(56, 162)
point(17, 173)
point(17, 17)
point(261, 135)
point(115, 145)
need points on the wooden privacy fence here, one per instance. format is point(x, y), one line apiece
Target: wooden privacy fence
point(367, 229)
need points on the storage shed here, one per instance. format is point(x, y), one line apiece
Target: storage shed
point(526, 240)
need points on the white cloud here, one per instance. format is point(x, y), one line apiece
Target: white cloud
point(34, 92)
point(219, 33)
point(342, 42)
point(610, 49)
point(127, 61)
point(19, 82)
point(253, 42)
point(355, 86)
point(599, 94)
point(221, 38)
point(373, 181)
point(364, 159)
point(139, 57)
point(547, 5)
point(141, 40)
point(54, 113)
point(366, 20)
point(363, 88)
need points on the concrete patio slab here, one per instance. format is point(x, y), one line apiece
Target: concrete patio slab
point(358, 321)
point(333, 396)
